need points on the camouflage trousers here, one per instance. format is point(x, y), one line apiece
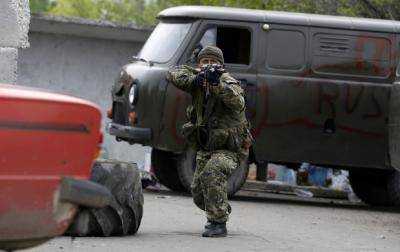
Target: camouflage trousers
point(210, 183)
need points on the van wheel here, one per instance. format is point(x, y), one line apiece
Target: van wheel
point(124, 214)
point(187, 166)
point(164, 165)
point(376, 187)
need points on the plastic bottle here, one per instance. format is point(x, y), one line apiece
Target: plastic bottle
point(303, 193)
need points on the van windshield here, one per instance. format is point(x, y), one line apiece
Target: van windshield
point(164, 41)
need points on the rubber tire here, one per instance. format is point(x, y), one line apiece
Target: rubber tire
point(376, 187)
point(187, 167)
point(164, 164)
point(124, 214)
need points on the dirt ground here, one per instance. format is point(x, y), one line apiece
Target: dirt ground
point(172, 223)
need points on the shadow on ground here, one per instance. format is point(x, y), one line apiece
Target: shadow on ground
point(275, 198)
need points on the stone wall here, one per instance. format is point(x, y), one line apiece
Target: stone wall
point(14, 25)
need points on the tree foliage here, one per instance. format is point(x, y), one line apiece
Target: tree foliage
point(38, 6)
point(143, 12)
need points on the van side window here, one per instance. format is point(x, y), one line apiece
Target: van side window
point(398, 70)
point(209, 38)
point(234, 42)
point(286, 50)
point(351, 55)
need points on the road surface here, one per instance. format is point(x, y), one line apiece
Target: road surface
point(172, 223)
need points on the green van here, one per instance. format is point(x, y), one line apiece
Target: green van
point(319, 89)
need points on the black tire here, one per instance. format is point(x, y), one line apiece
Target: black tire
point(124, 214)
point(187, 166)
point(164, 165)
point(376, 187)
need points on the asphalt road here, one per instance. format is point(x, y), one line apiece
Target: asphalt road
point(172, 223)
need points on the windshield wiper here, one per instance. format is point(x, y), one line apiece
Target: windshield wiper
point(136, 58)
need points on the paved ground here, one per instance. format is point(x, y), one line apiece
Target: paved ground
point(172, 223)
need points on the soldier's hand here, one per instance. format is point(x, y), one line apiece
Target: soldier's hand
point(200, 78)
point(213, 74)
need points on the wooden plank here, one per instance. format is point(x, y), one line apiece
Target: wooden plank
point(318, 192)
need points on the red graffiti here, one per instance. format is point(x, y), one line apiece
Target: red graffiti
point(325, 96)
point(378, 110)
point(299, 121)
point(349, 106)
point(263, 91)
point(330, 99)
point(256, 131)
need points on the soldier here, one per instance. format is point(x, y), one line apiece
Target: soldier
point(217, 130)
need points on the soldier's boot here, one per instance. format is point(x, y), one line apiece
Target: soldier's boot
point(208, 225)
point(215, 230)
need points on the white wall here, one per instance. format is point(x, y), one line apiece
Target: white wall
point(82, 66)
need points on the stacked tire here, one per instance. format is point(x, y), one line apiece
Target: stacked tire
point(124, 213)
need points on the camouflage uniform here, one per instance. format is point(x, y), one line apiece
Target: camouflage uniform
point(218, 130)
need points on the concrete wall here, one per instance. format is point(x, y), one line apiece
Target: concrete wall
point(14, 23)
point(81, 58)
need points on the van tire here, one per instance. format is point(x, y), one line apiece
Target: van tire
point(164, 164)
point(187, 166)
point(124, 213)
point(376, 187)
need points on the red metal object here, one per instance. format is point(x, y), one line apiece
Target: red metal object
point(43, 138)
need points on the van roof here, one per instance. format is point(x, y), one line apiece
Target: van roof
point(237, 14)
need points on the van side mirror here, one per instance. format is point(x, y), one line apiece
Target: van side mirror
point(195, 54)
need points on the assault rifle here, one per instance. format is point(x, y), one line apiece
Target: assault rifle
point(209, 76)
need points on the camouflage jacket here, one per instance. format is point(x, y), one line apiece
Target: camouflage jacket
point(218, 122)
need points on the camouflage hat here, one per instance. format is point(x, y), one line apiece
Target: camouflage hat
point(211, 52)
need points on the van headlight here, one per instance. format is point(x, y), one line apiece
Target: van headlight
point(133, 95)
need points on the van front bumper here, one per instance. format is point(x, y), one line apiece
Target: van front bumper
point(129, 134)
